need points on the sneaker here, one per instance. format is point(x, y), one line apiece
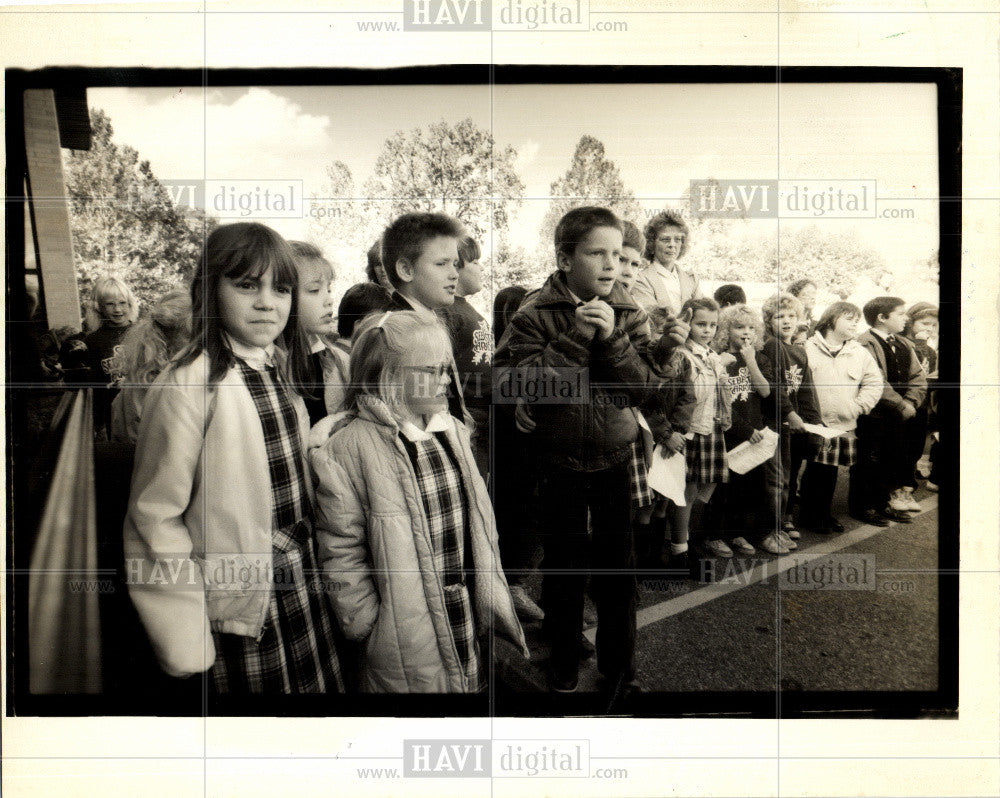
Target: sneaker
point(912, 505)
point(897, 501)
point(786, 541)
point(524, 606)
point(742, 546)
point(931, 486)
point(772, 545)
point(789, 529)
point(717, 548)
point(900, 517)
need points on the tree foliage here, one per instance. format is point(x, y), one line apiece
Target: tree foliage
point(457, 169)
point(123, 220)
point(592, 179)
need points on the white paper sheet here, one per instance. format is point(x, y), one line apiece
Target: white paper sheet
point(667, 475)
point(829, 433)
point(748, 455)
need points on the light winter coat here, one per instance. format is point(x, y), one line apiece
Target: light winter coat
point(198, 531)
point(848, 383)
point(376, 558)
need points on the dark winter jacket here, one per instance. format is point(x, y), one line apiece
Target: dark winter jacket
point(792, 388)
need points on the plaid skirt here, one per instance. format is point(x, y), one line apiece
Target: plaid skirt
point(706, 459)
point(296, 652)
point(642, 494)
point(841, 451)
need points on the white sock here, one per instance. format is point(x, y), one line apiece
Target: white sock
point(678, 548)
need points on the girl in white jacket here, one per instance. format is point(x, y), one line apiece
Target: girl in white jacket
point(848, 384)
point(407, 538)
point(218, 536)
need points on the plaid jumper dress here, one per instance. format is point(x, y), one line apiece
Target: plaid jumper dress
point(446, 506)
point(295, 652)
point(705, 453)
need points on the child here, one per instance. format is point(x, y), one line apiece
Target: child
point(406, 534)
point(791, 404)
point(221, 498)
point(357, 302)
point(324, 393)
point(922, 331)
point(741, 508)
point(730, 294)
point(804, 290)
point(112, 311)
point(662, 283)
point(884, 467)
point(420, 258)
point(705, 450)
point(848, 385)
point(146, 350)
point(631, 257)
point(582, 322)
point(472, 344)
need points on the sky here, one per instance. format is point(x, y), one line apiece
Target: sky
point(661, 136)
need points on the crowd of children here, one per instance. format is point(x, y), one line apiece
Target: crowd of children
point(361, 493)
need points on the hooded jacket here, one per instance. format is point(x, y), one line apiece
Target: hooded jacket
point(848, 382)
point(376, 558)
point(588, 431)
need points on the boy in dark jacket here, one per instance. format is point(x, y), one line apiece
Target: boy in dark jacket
point(791, 404)
point(877, 479)
point(576, 353)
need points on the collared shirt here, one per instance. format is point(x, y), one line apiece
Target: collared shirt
point(421, 308)
point(704, 381)
point(255, 357)
point(439, 422)
point(671, 282)
point(316, 344)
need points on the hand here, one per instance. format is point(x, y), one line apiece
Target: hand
point(757, 436)
point(601, 315)
point(795, 423)
point(585, 325)
point(522, 417)
point(673, 445)
point(908, 411)
point(679, 328)
point(749, 353)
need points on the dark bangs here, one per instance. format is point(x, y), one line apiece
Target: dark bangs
point(259, 249)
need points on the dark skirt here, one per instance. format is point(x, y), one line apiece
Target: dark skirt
point(706, 459)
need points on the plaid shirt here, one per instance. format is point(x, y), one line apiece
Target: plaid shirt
point(445, 505)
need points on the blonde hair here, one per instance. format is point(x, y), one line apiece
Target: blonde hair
point(382, 342)
point(153, 341)
point(105, 287)
point(738, 314)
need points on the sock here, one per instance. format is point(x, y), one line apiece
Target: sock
point(678, 548)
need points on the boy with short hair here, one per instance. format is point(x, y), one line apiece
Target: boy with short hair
point(583, 320)
point(419, 254)
point(879, 475)
point(631, 257)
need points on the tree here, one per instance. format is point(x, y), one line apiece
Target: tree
point(592, 179)
point(456, 169)
point(123, 220)
point(835, 261)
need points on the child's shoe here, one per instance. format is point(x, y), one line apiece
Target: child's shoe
point(786, 541)
point(718, 548)
point(742, 546)
point(897, 501)
point(789, 529)
point(912, 505)
point(772, 545)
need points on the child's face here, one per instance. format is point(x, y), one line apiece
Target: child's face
point(254, 311)
point(630, 262)
point(667, 247)
point(740, 335)
point(594, 265)
point(807, 296)
point(894, 322)
point(926, 328)
point(425, 384)
point(113, 308)
point(703, 326)
point(432, 278)
point(470, 279)
point(784, 323)
point(845, 328)
point(316, 300)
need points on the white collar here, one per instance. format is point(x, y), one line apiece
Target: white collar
point(420, 307)
point(316, 344)
point(883, 335)
point(666, 270)
point(255, 357)
point(699, 349)
point(439, 422)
